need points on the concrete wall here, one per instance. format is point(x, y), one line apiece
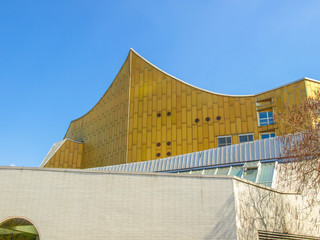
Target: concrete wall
point(261, 208)
point(76, 204)
point(305, 207)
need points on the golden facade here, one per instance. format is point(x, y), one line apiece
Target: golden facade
point(148, 114)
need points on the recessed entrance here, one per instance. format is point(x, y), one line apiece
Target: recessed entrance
point(18, 228)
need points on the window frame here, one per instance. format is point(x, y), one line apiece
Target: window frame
point(246, 134)
point(270, 120)
point(226, 136)
point(264, 133)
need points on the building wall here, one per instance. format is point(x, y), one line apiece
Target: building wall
point(147, 114)
point(154, 93)
point(73, 204)
point(62, 204)
point(68, 155)
point(259, 208)
point(312, 88)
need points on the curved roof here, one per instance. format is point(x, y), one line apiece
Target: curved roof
point(220, 94)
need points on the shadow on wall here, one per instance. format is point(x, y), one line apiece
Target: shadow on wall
point(305, 206)
point(220, 231)
point(258, 209)
point(262, 209)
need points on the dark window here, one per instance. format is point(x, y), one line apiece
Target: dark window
point(267, 135)
point(245, 138)
point(224, 141)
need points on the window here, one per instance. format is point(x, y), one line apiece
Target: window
point(267, 135)
point(251, 171)
point(245, 138)
point(224, 141)
point(266, 118)
point(266, 173)
point(254, 171)
point(211, 171)
point(222, 171)
point(236, 171)
point(197, 171)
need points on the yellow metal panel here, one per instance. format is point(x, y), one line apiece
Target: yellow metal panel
point(216, 129)
point(233, 129)
point(69, 155)
point(199, 134)
point(189, 135)
point(180, 136)
point(235, 139)
point(174, 133)
point(237, 108)
point(238, 125)
point(205, 131)
point(194, 132)
point(227, 127)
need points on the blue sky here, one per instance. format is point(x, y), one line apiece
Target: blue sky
point(57, 58)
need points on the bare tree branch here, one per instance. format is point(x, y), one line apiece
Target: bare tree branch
point(300, 127)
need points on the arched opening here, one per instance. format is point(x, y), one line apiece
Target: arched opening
point(18, 228)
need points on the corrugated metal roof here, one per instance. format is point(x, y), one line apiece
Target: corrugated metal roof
point(263, 149)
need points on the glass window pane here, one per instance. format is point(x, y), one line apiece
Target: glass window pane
point(263, 115)
point(267, 135)
point(236, 171)
point(224, 141)
point(243, 139)
point(222, 171)
point(196, 171)
point(271, 121)
point(253, 164)
point(263, 122)
point(266, 118)
point(250, 174)
point(210, 171)
point(266, 174)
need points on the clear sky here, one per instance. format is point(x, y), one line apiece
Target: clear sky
point(57, 58)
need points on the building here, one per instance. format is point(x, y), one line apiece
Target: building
point(157, 158)
point(147, 114)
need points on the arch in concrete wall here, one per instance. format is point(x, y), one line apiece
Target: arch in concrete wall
point(18, 228)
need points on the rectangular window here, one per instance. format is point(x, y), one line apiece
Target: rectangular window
point(197, 171)
point(266, 118)
point(245, 138)
point(267, 135)
point(266, 173)
point(237, 171)
point(224, 141)
point(251, 171)
point(211, 171)
point(223, 171)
